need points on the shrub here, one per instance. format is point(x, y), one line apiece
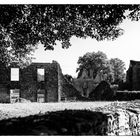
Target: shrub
point(102, 92)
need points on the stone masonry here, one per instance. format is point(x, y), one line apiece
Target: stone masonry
point(50, 89)
point(133, 75)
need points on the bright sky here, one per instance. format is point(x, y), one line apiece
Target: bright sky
point(126, 48)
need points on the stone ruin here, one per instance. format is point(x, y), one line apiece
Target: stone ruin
point(133, 75)
point(87, 82)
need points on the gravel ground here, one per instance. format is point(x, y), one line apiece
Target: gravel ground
point(26, 109)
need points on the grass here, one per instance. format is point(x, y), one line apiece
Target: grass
point(26, 109)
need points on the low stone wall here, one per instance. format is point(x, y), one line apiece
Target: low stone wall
point(126, 95)
point(123, 118)
point(115, 119)
point(123, 123)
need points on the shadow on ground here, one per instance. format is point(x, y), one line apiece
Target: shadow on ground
point(67, 122)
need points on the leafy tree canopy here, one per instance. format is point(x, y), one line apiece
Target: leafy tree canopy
point(118, 67)
point(94, 63)
point(23, 26)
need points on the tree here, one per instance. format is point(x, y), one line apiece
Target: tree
point(24, 26)
point(93, 63)
point(117, 67)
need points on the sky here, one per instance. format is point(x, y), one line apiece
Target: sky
point(126, 47)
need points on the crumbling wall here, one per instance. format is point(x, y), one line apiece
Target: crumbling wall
point(4, 84)
point(69, 92)
point(4, 96)
point(66, 90)
point(29, 84)
point(51, 84)
point(136, 77)
point(133, 76)
point(123, 118)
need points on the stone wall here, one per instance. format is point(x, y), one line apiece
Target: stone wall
point(66, 90)
point(28, 83)
point(136, 77)
point(123, 118)
point(4, 96)
point(4, 84)
point(52, 83)
point(133, 75)
point(56, 87)
point(126, 95)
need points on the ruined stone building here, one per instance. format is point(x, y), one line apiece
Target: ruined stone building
point(133, 75)
point(38, 82)
point(86, 83)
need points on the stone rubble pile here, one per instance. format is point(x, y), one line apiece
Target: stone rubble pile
point(123, 118)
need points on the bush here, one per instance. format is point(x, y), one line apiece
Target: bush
point(102, 92)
